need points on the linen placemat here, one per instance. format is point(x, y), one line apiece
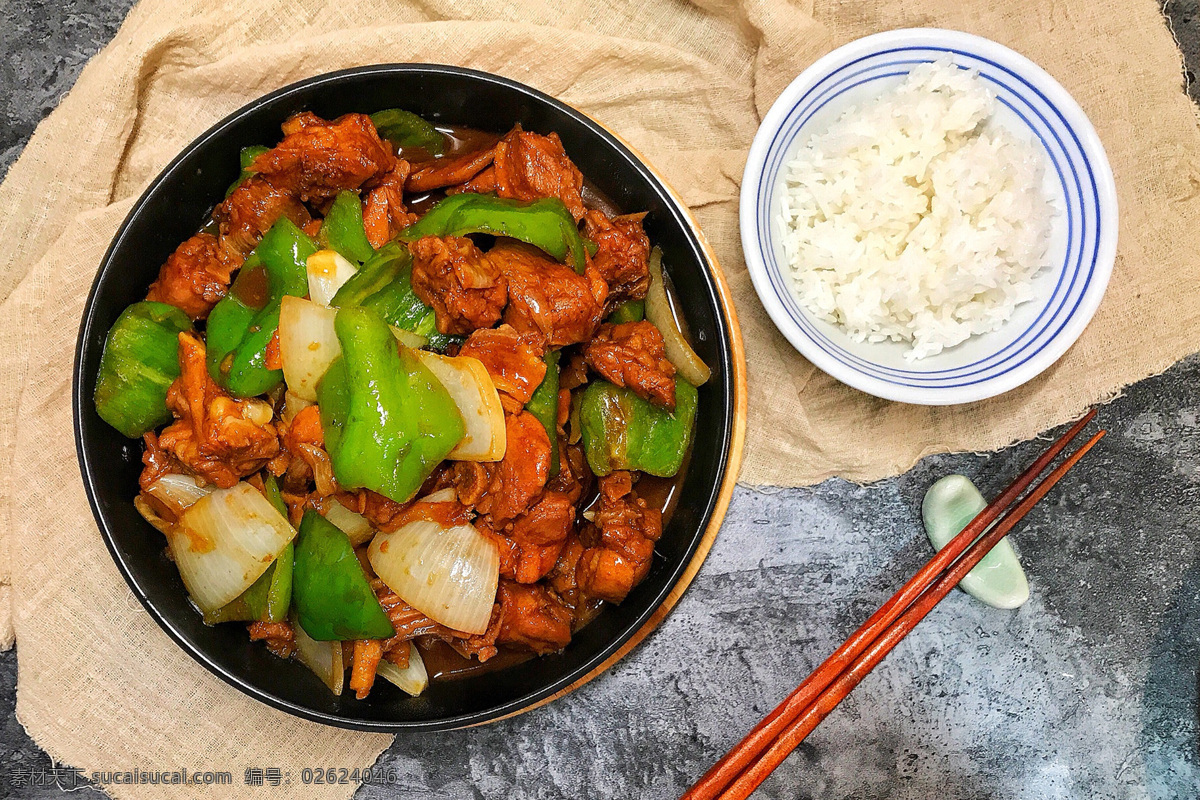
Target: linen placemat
point(100, 687)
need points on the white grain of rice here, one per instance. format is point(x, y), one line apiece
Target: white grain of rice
point(915, 219)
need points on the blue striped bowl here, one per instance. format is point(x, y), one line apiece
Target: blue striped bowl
point(1082, 246)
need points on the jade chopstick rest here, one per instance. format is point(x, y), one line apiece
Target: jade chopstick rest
point(998, 579)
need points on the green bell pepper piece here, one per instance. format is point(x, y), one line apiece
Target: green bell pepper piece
point(384, 285)
point(439, 424)
point(380, 270)
point(138, 365)
point(387, 420)
point(269, 597)
point(406, 129)
point(623, 431)
point(342, 229)
point(333, 597)
point(243, 323)
point(629, 311)
point(333, 403)
point(544, 406)
point(545, 224)
point(246, 157)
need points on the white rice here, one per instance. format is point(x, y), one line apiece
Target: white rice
point(913, 219)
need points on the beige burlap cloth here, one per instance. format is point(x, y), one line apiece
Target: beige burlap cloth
point(102, 688)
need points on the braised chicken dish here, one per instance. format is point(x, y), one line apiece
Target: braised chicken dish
point(410, 396)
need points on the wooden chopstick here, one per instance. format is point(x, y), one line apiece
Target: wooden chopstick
point(725, 771)
point(757, 771)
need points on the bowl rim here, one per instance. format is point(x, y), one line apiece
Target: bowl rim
point(1075, 119)
point(734, 412)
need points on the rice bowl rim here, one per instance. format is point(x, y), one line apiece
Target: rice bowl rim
point(1080, 286)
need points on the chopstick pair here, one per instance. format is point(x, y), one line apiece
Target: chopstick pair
point(749, 763)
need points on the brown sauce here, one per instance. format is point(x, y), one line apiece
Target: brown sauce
point(444, 663)
point(253, 286)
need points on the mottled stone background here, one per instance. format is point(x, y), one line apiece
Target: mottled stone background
point(1089, 691)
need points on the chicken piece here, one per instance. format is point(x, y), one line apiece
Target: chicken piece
point(574, 373)
point(156, 462)
point(379, 510)
point(449, 171)
point(546, 297)
point(364, 663)
point(409, 623)
point(279, 636)
point(481, 646)
point(529, 166)
point(214, 436)
point(628, 530)
point(471, 481)
point(540, 534)
point(507, 488)
point(483, 183)
point(632, 354)
point(510, 554)
point(319, 158)
point(623, 255)
point(573, 478)
point(532, 617)
point(250, 211)
point(561, 577)
point(463, 286)
point(513, 360)
point(384, 214)
point(305, 428)
point(195, 276)
point(446, 513)
point(520, 476)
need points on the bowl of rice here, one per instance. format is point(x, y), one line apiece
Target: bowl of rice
point(928, 216)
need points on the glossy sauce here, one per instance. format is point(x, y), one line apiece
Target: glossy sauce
point(253, 286)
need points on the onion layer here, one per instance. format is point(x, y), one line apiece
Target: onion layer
point(354, 525)
point(323, 658)
point(659, 312)
point(412, 679)
point(471, 388)
point(448, 574)
point(177, 492)
point(308, 344)
point(327, 271)
point(223, 542)
point(414, 341)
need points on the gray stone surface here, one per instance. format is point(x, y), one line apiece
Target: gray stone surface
point(1089, 691)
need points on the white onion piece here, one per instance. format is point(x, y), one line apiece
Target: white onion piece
point(225, 541)
point(471, 388)
point(293, 404)
point(178, 492)
point(323, 658)
point(308, 344)
point(352, 524)
point(327, 271)
point(447, 495)
point(659, 312)
point(409, 339)
point(450, 575)
point(412, 679)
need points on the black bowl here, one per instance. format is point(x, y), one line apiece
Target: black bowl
point(179, 201)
